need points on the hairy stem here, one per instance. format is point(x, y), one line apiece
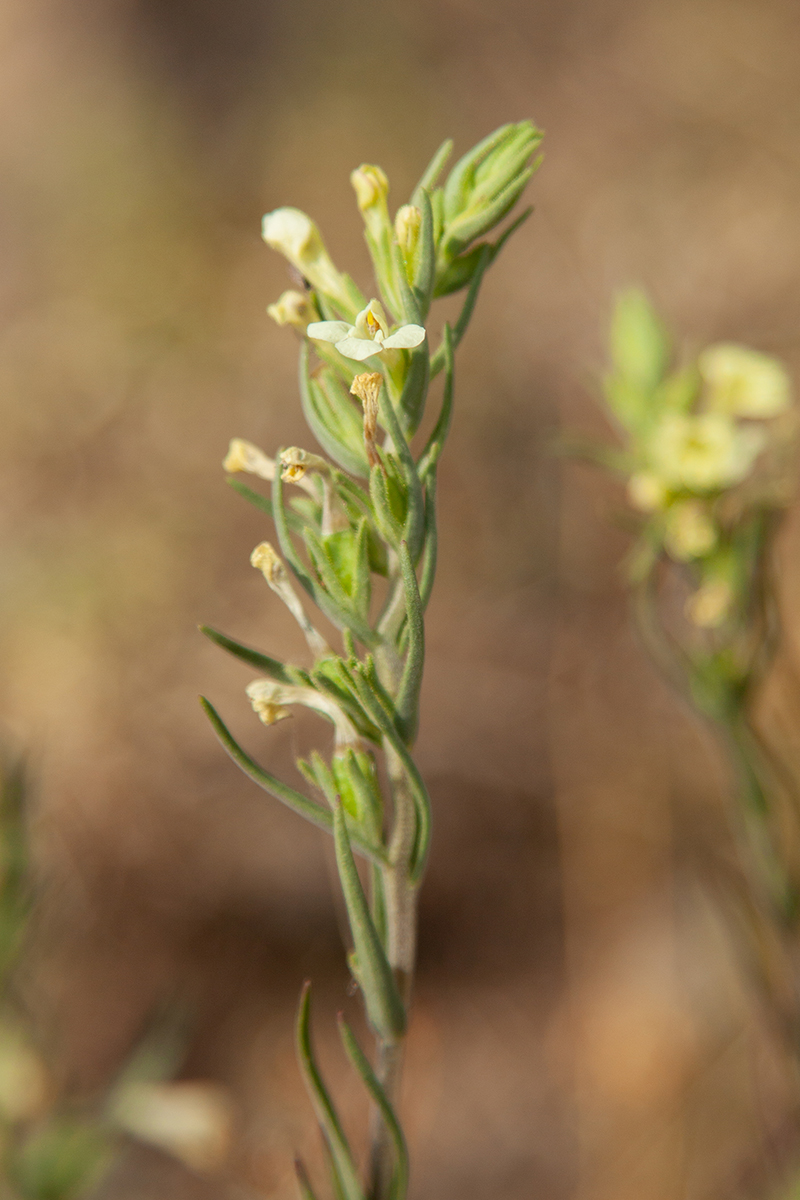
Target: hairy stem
point(401, 935)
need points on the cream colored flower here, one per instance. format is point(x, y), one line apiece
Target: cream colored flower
point(689, 532)
point(743, 383)
point(370, 334)
point(191, 1120)
point(293, 308)
point(271, 700)
point(295, 235)
point(710, 604)
point(703, 452)
point(646, 491)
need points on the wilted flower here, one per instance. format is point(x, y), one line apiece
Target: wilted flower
point(703, 452)
point(270, 699)
point(370, 334)
point(244, 456)
point(367, 388)
point(743, 383)
point(270, 564)
point(689, 531)
point(295, 462)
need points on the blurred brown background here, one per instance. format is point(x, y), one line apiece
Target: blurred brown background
point(583, 1028)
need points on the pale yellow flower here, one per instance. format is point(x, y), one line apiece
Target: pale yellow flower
point(743, 383)
point(689, 531)
point(703, 452)
point(370, 334)
point(371, 186)
point(295, 462)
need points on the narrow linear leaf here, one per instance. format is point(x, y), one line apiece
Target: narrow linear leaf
point(342, 1159)
point(263, 503)
point(460, 327)
point(407, 701)
point(425, 276)
point(436, 441)
point(262, 662)
point(427, 573)
point(375, 978)
point(303, 1182)
point(433, 171)
point(313, 812)
point(364, 1068)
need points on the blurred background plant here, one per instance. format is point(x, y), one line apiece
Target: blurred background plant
point(369, 568)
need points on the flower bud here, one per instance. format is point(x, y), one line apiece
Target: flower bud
point(407, 225)
point(370, 185)
point(293, 308)
point(297, 238)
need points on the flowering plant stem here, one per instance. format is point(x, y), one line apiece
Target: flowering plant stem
point(359, 537)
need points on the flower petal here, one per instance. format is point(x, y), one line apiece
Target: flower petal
point(328, 331)
point(405, 338)
point(358, 348)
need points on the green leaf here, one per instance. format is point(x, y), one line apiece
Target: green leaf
point(362, 1065)
point(435, 445)
point(385, 1009)
point(262, 662)
point(460, 328)
point(432, 171)
point(357, 784)
point(430, 546)
point(475, 222)
point(416, 505)
point(425, 274)
point(332, 417)
point(303, 1182)
point(302, 805)
point(264, 503)
point(407, 702)
point(411, 405)
point(640, 347)
point(341, 1158)
point(340, 601)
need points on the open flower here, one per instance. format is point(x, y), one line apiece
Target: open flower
point(370, 334)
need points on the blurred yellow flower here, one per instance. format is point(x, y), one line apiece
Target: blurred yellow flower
point(743, 383)
point(710, 604)
point(690, 531)
point(646, 491)
point(703, 452)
